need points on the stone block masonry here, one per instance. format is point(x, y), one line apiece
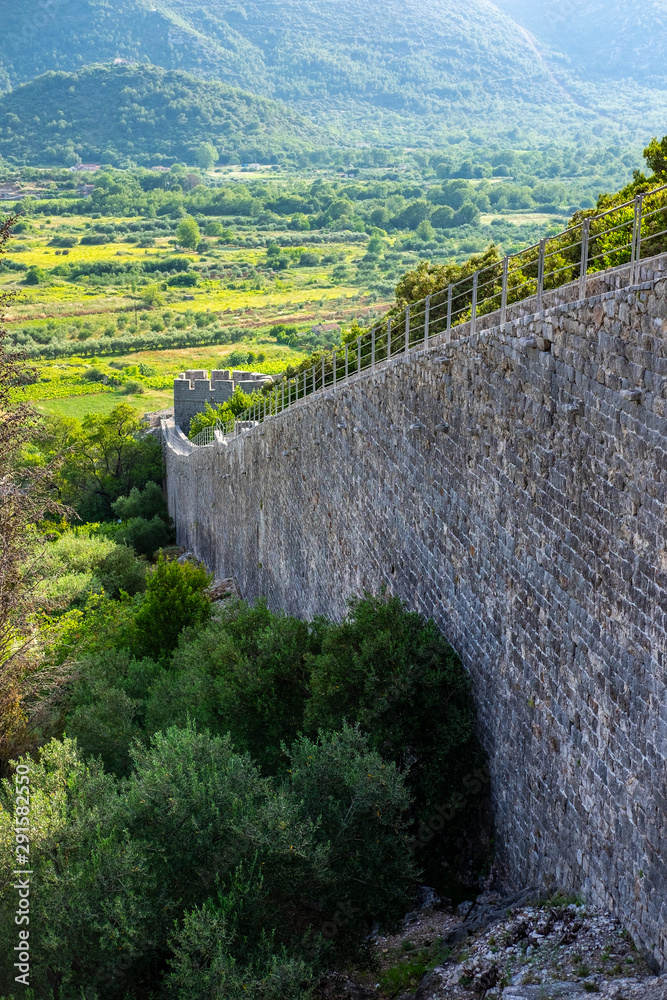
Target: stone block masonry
point(193, 390)
point(513, 486)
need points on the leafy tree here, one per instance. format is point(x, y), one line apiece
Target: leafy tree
point(212, 957)
point(361, 803)
point(656, 157)
point(121, 570)
point(145, 536)
point(148, 503)
point(384, 668)
point(187, 233)
point(93, 883)
point(411, 216)
point(237, 404)
point(150, 295)
point(174, 600)
point(207, 156)
point(425, 230)
point(253, 685)
point(429, 278)
point(466, 215)
point(443, 217)
point(104, 457)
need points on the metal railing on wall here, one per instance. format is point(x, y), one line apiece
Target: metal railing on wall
point(620, 236)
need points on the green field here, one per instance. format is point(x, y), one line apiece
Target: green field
point(275, 267)
point(103, 403)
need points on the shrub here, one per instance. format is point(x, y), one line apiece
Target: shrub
point(105, 727)
point(309, 259)
point(132, 387)
point(237, 358)
point(101, 625)
point(392, 672)
point(66, 568)
point(213, 959)
point(34, 276)
point(252, 685)
point(147, 503)
point(188, 280)
point(174, 600)
point(145, 536)
point(361, 804)
point(94, 897)
point(191, 790)
point(121, 570)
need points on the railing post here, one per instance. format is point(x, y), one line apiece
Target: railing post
point(313, 378)
point(636, 239)
point(585, 235)
point(427, 315)
point(540, 274)
point(503, 294)
point(323, 372)
point(334, 369)
point(473, 311)
point(373, 348)
point(347, 366)
point(358, 354)
point(450, 293)
point(282, 406)
point(407, 329)
point(388, 338)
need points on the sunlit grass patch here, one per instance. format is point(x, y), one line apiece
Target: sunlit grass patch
point(103, 403)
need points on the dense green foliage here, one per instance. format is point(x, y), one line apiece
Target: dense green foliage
point(264, 678)
point(222, 798)
point(105, 458)
point(610, 244)
point(196, 829)
point(142, 113)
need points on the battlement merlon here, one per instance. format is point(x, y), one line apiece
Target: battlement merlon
point(193, 389)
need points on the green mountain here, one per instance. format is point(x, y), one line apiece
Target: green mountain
point(112, 114)
point(598, 40)
point(410, 71)
point(408, 68)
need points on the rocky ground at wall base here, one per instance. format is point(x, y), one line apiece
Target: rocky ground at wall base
point(523, 946)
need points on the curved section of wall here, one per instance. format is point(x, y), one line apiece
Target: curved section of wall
point(513, 487)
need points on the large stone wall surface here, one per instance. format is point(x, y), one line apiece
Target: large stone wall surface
point(513, 487)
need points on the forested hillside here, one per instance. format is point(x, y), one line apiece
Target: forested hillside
point(600, 39)
point(395, 69)
point(114, 112)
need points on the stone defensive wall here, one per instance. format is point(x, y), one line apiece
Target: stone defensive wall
point(194, 389)
point(513, 486)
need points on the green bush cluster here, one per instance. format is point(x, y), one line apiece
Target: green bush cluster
point(146, 525)
point(266, 678)
point(195, 875)
point(228, 780)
